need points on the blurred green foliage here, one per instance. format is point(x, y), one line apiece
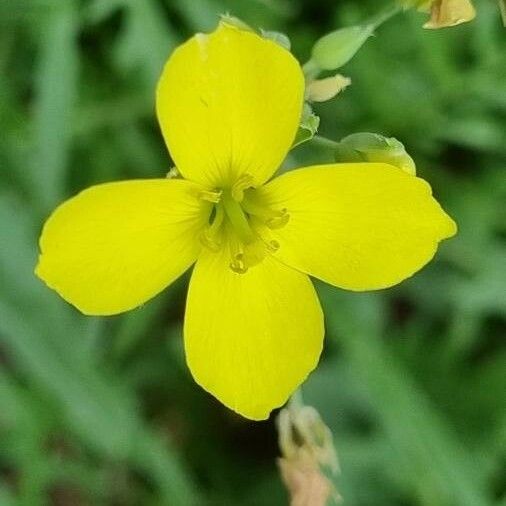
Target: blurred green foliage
point(103, 411)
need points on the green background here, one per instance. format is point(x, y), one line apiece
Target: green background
point(103, 411)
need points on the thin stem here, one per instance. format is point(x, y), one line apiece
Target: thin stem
point(310, 69)
point(324, 142)
point(384, 15)
point(296, 401)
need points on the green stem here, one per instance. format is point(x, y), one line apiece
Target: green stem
point(310, 69)
point(324, 142)
point(384, 15)
point(296, 401)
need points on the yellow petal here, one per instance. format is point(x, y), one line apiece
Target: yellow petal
point(359, 226)
point(251, 339)
point(116, 245)
point(446, 13)
point(229, 103)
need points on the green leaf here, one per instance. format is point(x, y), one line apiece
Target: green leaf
point(429, 458)
point(55, 97)
point(146, 41)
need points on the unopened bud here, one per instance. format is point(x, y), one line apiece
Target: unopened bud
point(370, 147)
point(337, 48)
point(321, 90)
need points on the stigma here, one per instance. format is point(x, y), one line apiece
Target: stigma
point(240, 222)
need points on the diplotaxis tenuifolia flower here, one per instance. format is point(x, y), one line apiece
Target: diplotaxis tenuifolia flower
point(229, 104)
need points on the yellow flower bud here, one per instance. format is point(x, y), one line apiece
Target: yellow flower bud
point(321, 90)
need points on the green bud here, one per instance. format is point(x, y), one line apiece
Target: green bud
point(369, 147)
point(337, 48)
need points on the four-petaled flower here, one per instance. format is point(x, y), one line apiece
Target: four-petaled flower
point(229, 104)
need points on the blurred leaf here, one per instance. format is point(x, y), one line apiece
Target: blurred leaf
point(146, 41)
point(201, 15)
point(56, 90)
point(429, 459)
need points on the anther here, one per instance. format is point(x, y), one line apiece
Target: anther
point(209, 237)
point(237, 264)
point(272, 219)
point(273, 246)
point(279, 220)
point(244, 182)
point(210, 196)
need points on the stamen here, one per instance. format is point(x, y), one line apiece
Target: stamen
point(278, 221)
point(273, 246)
point(273, 219)
point(209, 237)
point(237, 265)
point(244, 182)
point(210, 196)
point(245, 256)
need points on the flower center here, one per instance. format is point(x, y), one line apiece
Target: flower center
point(240, 220)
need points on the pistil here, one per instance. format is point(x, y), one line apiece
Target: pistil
point(237, 218)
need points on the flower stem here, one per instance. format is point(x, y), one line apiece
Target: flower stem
point(310, 69)
point(324, 142)
point(384, 15)
point(296, 401)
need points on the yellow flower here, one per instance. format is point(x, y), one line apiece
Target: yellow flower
point(229, 104)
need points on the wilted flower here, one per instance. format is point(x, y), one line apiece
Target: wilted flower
point(444, 13)
point(308, 456)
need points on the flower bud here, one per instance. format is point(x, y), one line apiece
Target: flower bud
point(321, 90)
point(337, 48)
point(370, 147)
